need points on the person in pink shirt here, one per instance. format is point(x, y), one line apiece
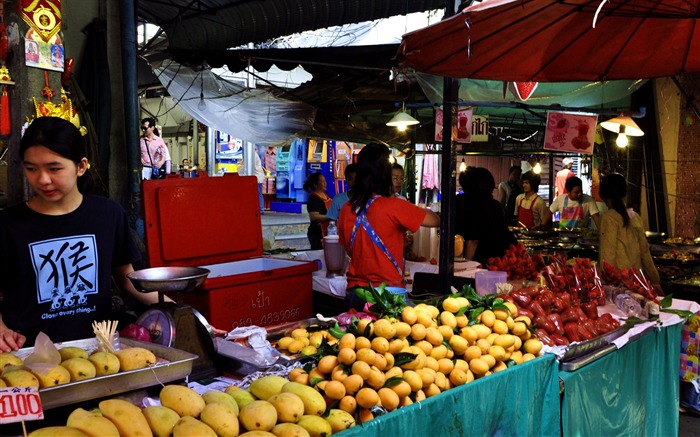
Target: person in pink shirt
point(562, 175)
point(155, 156)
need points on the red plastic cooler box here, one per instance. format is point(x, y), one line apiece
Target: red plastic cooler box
point(214, 222)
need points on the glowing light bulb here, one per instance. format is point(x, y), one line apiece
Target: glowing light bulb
point(392, 160)
point(622, 141)
point(462, 166)
point(537, 169)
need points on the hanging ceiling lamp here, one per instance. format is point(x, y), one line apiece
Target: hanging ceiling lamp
point(623, 125)
point(402, 120)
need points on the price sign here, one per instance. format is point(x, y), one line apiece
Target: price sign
point(20, 403)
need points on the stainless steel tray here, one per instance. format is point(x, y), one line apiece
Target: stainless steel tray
point(584, 360)
point(586, 347)
point(172, 364)
point(594, 354)
point(246, 360)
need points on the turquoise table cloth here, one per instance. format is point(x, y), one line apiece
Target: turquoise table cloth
point(632, 391)
point(523, 400)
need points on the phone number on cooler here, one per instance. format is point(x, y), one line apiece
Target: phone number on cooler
point(277, 316)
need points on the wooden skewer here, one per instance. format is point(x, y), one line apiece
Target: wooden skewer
point(104, 331)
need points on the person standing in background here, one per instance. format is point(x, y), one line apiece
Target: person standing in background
point(623, 242)
point(480, 218)
point(155, 156)
point(397, 178)
point(317, 206)
point(509, 190)
point(530, 208)
point(575, 207)
point(372, 226)
point(260, 176)
point(341, 198)
point(562, 175)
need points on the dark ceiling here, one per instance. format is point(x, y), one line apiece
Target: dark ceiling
point(352, 87)
point(223, 24)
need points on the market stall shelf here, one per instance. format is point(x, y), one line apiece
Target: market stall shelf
point(172, 365)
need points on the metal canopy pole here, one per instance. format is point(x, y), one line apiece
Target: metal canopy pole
point(127, 12)
point(448, 186)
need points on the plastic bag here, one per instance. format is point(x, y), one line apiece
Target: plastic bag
point(45, 356)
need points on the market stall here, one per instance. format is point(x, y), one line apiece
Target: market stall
point(632, 391)
point(621, 391)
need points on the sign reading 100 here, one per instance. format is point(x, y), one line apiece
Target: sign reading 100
point(20, 403)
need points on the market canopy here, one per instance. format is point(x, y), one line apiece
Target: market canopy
point(218, 24)
point(560, 41)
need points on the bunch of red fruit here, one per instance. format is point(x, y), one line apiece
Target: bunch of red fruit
point(558, 319)
point(517, 263)
point(580, 278)
point(630, 278)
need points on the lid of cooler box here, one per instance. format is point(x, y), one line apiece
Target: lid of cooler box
point(205, 220)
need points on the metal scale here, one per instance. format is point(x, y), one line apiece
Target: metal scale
point(174, 324)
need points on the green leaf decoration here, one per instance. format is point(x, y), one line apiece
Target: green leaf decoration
point(336, 331)
point(666, 301)
point(500, 306)
point(315, 381)
point(392, 381)
point(681, 313)
point(403, 358)
point(365, 295)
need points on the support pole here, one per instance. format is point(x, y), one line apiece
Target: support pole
point(448, 185)
point(127, 13)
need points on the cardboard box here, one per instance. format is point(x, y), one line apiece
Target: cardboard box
point(214, 222)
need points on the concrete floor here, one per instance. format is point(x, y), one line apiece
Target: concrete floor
point(689, 424)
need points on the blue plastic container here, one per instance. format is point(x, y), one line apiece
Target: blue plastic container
point(395, 290)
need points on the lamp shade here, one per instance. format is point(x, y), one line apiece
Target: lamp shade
point(401, 120)
point(623, 124)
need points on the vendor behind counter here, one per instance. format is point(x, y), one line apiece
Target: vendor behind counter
point(480, 217)
point(575, 208)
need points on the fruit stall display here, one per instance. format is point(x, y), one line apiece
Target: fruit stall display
point(349, 373)
point(83, 370)
point(411, 353)
point(564, 307)
point(369, 367)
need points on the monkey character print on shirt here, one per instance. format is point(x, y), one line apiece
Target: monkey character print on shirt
point(56, 270)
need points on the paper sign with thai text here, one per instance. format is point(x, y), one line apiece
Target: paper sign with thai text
point(461, 127)
point(44, 16)
point(20, 403)
point(480, 129)
point(570, 132)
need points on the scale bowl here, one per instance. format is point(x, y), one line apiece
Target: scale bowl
point(168, 279)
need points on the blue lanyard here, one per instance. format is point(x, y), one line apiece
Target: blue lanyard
point(361, 220)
